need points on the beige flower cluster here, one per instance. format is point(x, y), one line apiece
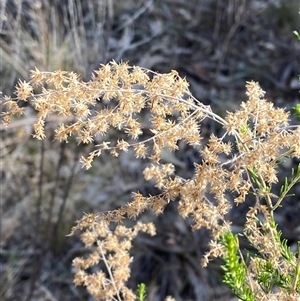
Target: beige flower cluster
point(110, 248)
point(115, 98)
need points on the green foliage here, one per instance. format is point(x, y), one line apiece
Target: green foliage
point(270, 273)
point(296, 33)
point(296, 109)
point(270, 277)
point(287, 186)
point(141, 292)
point(235, 268)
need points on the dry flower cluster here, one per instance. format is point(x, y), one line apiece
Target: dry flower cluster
point(114, 98)
point(111, 248)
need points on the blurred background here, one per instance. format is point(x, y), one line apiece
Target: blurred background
point(217, 45)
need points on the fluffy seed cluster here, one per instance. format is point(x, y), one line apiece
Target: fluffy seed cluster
point(110, 248)
point(115, 98)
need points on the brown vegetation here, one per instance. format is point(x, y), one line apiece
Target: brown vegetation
point(145, 114)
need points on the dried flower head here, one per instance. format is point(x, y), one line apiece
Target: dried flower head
point(117, 97)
